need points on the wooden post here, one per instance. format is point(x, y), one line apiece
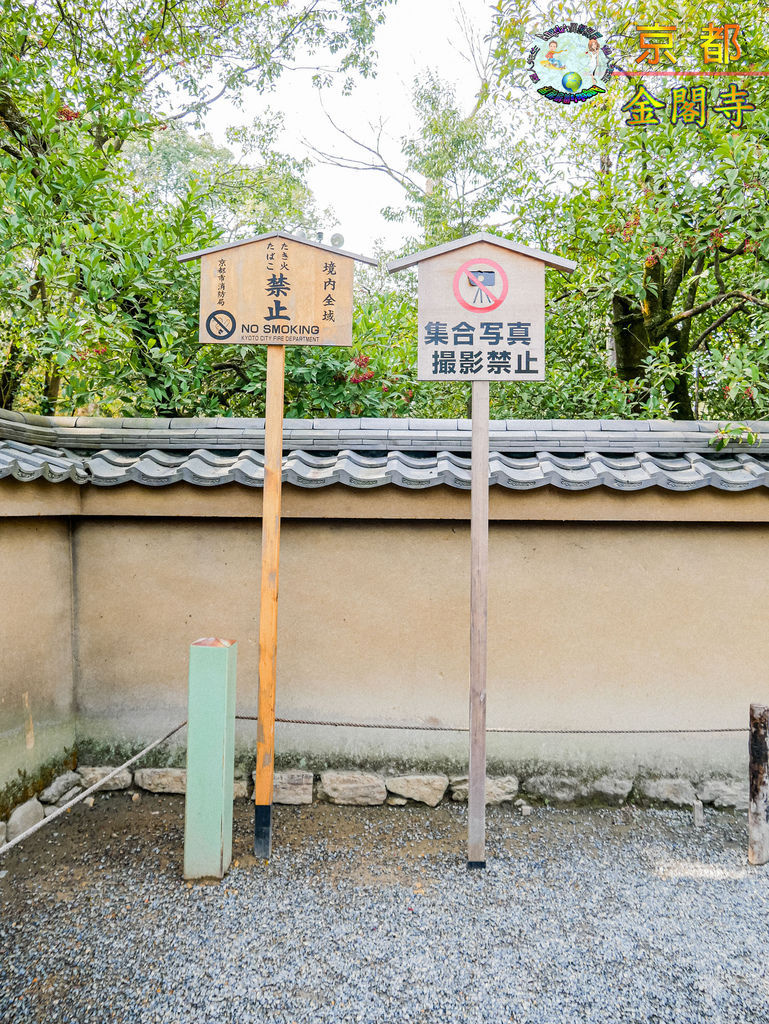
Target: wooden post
point(758, 808)
point(268, 604)
point(210, 758)
point(479, 571)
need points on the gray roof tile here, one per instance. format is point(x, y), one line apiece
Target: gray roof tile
point(664, 425)
point(353, 468)
point(154, 423)
point(26, 462)
point(185, 422)
point(619, 425)
point(570, 454)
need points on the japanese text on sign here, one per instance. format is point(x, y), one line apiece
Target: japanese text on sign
point(481, 318)
point(276, 291)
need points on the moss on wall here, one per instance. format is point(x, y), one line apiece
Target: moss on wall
point(28, 784)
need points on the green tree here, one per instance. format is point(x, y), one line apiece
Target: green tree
point(87, 271)
point(668, 223)
point(458, 172)
point(667, 312)
point(263, 187)
point(467, 169)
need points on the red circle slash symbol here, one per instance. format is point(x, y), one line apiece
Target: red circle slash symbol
point(484, 284)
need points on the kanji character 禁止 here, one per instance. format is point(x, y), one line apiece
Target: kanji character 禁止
point(278, 284)
point(499, 362)
point(526, 363)
point(277, 311)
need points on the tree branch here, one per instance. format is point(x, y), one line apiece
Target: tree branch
point(705, 306)
point(11, 151)
point(715, 325)
point(731, 253)
point(717, 272)
point(233, 366)
point(686, 328)
point(18, 126)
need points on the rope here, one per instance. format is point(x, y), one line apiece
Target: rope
point(354, 725)
point(464, 728)
point(87, 792)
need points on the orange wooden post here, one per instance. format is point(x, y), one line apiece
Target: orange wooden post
point(268, 603)
point(273, 290)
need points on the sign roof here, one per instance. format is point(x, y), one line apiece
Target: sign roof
point(483, 236)
point(276, 234)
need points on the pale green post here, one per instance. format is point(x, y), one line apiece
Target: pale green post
point(210, 758)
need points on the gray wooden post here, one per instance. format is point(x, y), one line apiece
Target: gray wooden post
point(479, 573)
point(758, 808)
point(210, 758)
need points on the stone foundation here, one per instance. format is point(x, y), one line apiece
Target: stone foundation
point(367, 788)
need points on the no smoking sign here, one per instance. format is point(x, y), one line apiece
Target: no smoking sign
point(220, 324)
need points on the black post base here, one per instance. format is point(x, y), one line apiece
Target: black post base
point(262, 831)
point(476, 864)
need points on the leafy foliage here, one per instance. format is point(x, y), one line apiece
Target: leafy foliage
point(668, 223)
point(102, 187)
point(470, 163)
point(96, 312)
point(666, 314)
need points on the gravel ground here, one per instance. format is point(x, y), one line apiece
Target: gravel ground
point(369, 914)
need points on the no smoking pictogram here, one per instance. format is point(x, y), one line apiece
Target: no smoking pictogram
point(480, 285)
point(220, 324)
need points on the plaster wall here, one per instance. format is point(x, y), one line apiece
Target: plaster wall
point(36, 644)
point(591, 626)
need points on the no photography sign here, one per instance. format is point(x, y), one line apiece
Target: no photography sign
point(481, 315)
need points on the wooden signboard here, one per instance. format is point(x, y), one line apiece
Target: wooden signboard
point(274, 290)
point(481, 318)
point(481, 315)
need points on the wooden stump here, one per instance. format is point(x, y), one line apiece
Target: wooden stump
point(758, 808)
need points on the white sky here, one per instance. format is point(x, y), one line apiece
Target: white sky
point(417, 35)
